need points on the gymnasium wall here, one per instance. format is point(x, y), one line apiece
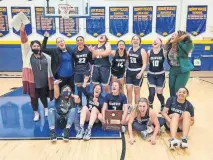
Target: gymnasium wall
point(10, 52)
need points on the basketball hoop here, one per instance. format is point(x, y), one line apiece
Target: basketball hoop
point(65, 10)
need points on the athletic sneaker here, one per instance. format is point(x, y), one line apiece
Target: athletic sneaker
point(87, 135)
point(36, 116)
point(174, 143)
point(53, 137)
point(144, 134)
point(80, 134)
point(66, 134)
point(183, 143)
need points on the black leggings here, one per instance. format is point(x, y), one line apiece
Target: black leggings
point(42, 94)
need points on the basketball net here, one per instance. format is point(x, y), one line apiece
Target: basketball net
point(65, 10)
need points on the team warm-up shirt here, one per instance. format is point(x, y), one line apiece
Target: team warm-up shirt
point(115, 102)
point(176, 107)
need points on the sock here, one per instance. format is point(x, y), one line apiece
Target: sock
point(161, 99)
point(82, 126)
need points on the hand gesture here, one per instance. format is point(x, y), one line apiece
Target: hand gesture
point(131, 140)
point(46, 34)
point(86, 79)
point(91, 48)
point(57, 82)
point(183, 37)
point(95, 100)
point(139, 75)
point(22, 28)
point(153, 140)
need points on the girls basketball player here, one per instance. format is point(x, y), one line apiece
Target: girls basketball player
point(92, 111)
point(101, 71)
point(118, 63)
point(179, 115)
point(137, 61)
point(156, 73)
point(144, 120)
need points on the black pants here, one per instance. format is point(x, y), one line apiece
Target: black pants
point(42, 94)
point(66, 81)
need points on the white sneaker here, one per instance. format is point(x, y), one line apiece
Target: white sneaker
point(45, 112)
point(174, 143)
point(36, 116)
point(183, 143)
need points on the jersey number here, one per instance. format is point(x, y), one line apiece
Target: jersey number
point(120, 65)
point(82, 60)
point(133, 60)
point(114, 107)
point(155, 63)
point(90, 107)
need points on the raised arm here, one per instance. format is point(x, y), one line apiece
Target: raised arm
point(25, 46)
point(44, 48)
point(185, 43)
point(56, 88)
point(105, 53)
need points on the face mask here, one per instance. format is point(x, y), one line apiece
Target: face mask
point(36, 51)
point(66, 93)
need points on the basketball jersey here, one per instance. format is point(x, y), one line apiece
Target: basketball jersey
point(115, 102)
point(82, 60)
point(102, 61)
point(135, 60)
point(156, 61)
point(118, 62)
point(143, 120)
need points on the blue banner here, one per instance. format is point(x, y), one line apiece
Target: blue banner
point(4, 26)
point(69, 27)
point(95, 25)
point(27, 12)
point(196, 20)
point(119, 20)
point(44, 24)
point(142, 20)
point(165, 20)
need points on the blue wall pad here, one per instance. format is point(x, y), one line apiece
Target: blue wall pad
point(16, 121)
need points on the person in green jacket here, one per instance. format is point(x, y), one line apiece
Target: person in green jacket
point(178, 48)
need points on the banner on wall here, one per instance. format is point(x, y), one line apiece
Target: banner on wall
point(27, 12)
point(196, 19)
point(4, 26)
point(44, 24)
point(118, 20)
point(95, 25)
point(165, 20)
point(68, 27)
point(142, 20)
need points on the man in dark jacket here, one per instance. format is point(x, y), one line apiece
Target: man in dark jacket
point(61, 61)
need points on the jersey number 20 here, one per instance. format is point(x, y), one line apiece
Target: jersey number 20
point(133, 60)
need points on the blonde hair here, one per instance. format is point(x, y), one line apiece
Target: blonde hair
point(142, 99)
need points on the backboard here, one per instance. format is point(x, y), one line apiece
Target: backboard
point(68, 8)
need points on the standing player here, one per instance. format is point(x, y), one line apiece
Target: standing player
point(118, 63)
point(137, 59)
point(92, 111)
point(116, 101)
point(82, 59)
point(179, 115)
point(156, 73)
point(101, 71)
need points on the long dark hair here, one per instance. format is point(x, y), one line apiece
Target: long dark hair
point(125, 52)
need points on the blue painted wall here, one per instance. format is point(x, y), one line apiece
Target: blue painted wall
point(10, 57)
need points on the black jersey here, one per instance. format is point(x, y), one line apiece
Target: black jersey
point(135, 59)
point(143, 120)
point(118, 62)
point(102, 61)
point(115, 102)
point(82, 60)
point(156, 61)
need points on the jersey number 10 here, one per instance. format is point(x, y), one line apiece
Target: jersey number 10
point(155, 63)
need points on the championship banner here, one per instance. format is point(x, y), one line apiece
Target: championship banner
point(69, 26)
point(165, 20)
point(4, 26)
point(44, 24)
point(196, 19)
point(142, 20)
point(95, 25)
point(118, 20)
point(27, 12)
